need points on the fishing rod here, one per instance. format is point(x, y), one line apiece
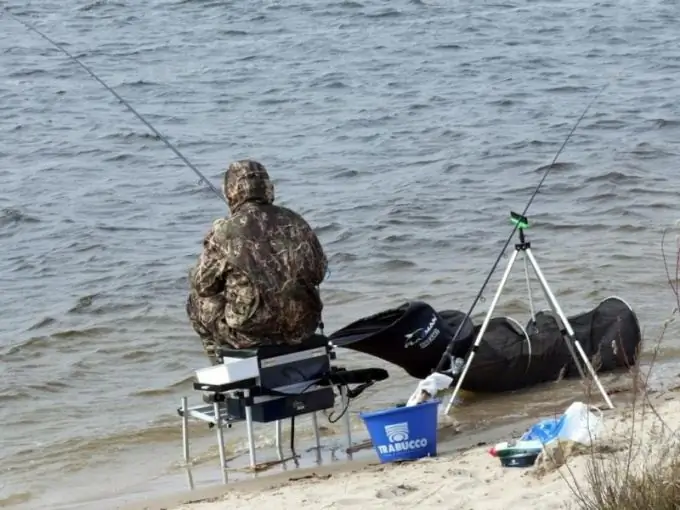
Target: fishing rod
point(75, 59)
point(447, 353)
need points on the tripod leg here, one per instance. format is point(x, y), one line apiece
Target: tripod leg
point(526, 276)
point(482, 330)
point(563, 323)
point(570, 332)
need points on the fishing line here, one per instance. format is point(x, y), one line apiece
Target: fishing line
point(447, 354)
point(202, 177)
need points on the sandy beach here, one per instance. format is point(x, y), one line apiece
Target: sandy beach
point(464, 475)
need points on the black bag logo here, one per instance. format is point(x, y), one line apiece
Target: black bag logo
point(422, 336)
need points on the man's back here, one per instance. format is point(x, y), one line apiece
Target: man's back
point(264, 264)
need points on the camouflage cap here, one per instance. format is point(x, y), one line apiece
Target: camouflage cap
point(247, 181)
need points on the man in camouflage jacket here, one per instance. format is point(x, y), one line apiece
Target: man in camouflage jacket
point(256, 281)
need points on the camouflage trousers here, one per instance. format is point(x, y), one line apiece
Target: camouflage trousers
point(207, 319)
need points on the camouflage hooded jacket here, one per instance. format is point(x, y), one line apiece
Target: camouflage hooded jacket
point(257, 278)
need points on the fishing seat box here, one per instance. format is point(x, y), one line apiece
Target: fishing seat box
point(276, 381)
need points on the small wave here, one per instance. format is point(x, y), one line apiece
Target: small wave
point(11, 215)
point(15, 499)
point(345, 174)
point(646, 151)
point(329, 227)
point(32, 391)
point(613, 177)
point(663, 123)
point(350, 5)
point(273, 101)
point(69, 448)
point(138, 355)
point(549, 30)
point(140, 83)
point(556, 167)
point(568, 89)
point(9, 394)
point(82, 333)
point(591, 227)
point(330, 80)
point(42, 343)
point(26, 73)
point(600, 197)
point(128, 136)
point(120, 157)
point(449, 46)
point(396, 238)
point(660, 205)
point(526, 144)
point(341, 237)
point(100, 3)
point(336, 85)
point(80, 247)
point(395, 264)
point(119, 228)
point(86, 451)
point(339, 257)
point(619, 211)
point(204, 3)
point(388, 13)
point(341, 296)
point(248, 58)
point(502, 102)
point(450, 167)
point(423, 162)
point(154, 392)
point(650, 191)
point(231, 32)
point(606, 124)
point(46, 321)
point(83, 303)
point(419, 106)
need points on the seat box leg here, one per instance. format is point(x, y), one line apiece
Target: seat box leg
point(249, 427)
point(317, 438)
point(279, 433)
point(185, 442)
point(220, 441)
point(348, 423)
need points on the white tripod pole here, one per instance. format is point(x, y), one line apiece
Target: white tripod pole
point(523, 246)
point(482, 330)
point(571, 337)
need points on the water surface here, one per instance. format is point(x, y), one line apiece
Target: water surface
point(405, 133)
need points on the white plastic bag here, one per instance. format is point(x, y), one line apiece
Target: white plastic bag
point(429, 387)
point(580, 424)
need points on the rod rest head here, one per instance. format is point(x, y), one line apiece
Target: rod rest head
point(270, 350)
point(364, 378)
point(342, 376)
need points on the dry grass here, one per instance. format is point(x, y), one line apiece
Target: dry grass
point(642, 471)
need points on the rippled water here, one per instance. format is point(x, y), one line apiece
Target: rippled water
point(405, 133)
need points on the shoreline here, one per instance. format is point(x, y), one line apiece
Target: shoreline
point(462, 462)
point(456, 444)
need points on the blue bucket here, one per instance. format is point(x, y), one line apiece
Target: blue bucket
point(404, 433)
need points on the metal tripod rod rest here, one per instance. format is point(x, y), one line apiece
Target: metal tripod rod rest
point(525, 247)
